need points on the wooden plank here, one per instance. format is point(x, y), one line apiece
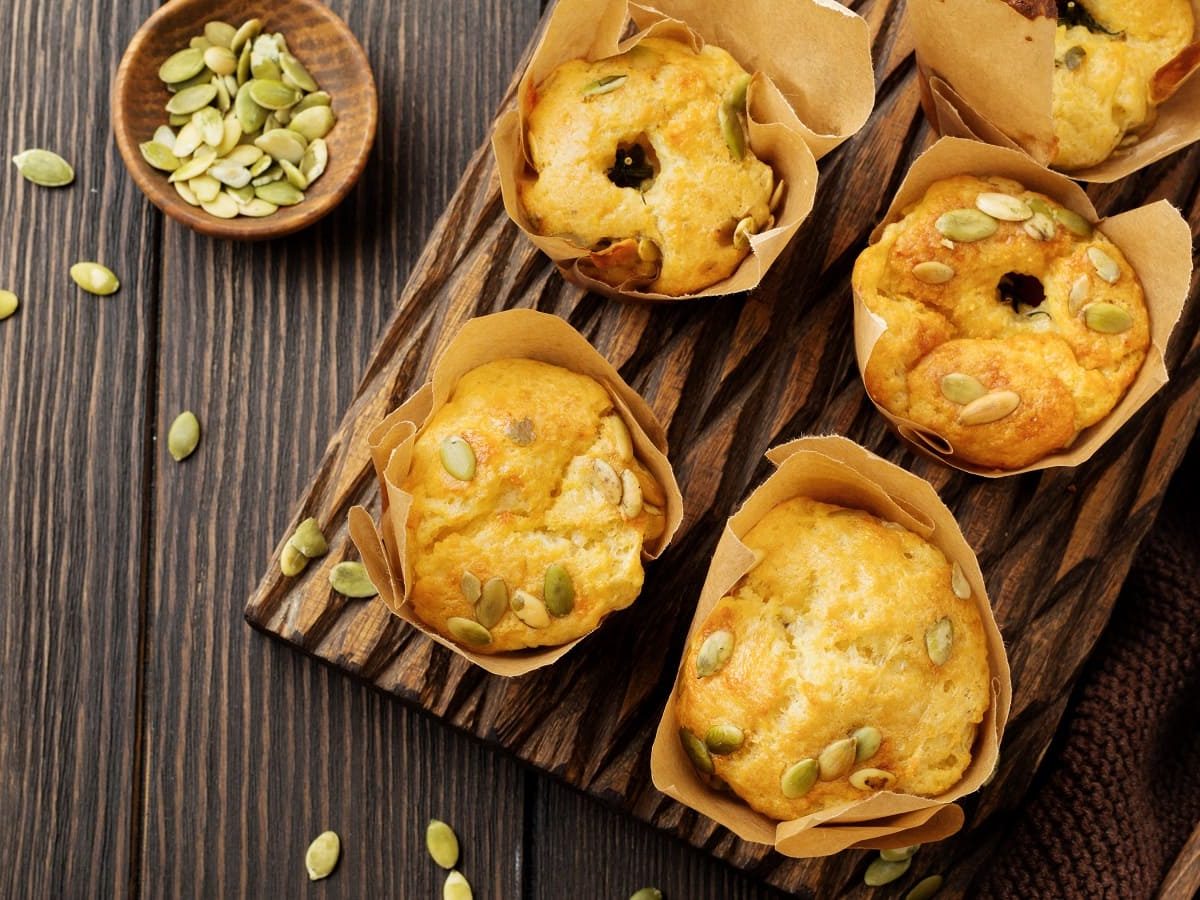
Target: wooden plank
point(251, 751)
point(733, 377)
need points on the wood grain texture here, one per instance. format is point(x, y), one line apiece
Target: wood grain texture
point(733, 377)
point(75, 380)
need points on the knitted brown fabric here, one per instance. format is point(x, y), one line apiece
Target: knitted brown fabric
point(1120, 792)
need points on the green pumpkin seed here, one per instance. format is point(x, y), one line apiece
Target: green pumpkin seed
point(188, 195)
point(872, 780)
point(165, 136)
point(558, 590)
point(282, 144)
point(1106, 267)
point(798, 779)
point(529, 609)
point(245, 57)
point(183, 436)
point(456, 887)
point(322, 855)
point(44, 168)
point(248, 31)
point(219, 34)
point(244, 155)
point(316, 158)
point(182, 65)
point(249, 114)
point(493, 602)
point(1081, 290)
point(442, 843)
point(205, 187)
point(350, 579)
point(8, 304)
point(211, 125)
point(925, 888)
point(272, 173)
point(316, 98)
point(606, 480)
point(933, 272)
point(966, 225)
point(731, 115)
point(258, 208)
point(1041, 227)
point(224, 206)
point(899, 854)
point(95, 278)
point(866, 743)
point(264, 66)
point(293, 175)
point(1107, 318)
point(1004, 207)
point(989, 408)
point(295, 70)
point(224, 98)
point(631, 495)
point(959, 583)
point(195, 166)
point(159, 156)
point(278, 192)
point(313, 123)
point(308, 539)
point(470, 587)
point(696, 751)
point(605, 85)
point(204, 77)
point(191, 99)
point(836, 759)
point(714, 653)
point(291, 561)
point(230, 174)
point(242, 195)
point(1074, 58)
point(175, 120)
point(939, 640)
point(468, 631)
point(221, 60)
point(188, 140)
point(271, 94)
point(1073, 222)
point(200, 42)
point(962, 389)
point(646, 893)
point(724, 739)
point(458, 459)
point(881, 872)
point(742, 232)
point(260, 165)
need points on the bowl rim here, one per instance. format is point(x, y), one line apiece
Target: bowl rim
point(287, 220)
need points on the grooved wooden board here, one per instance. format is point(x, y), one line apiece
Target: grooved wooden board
point(732, 377)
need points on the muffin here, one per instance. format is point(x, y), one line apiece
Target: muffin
point(529, 509)
point(643, 159)
point(1107, 54)
point(1011, 323)
point(848, 661)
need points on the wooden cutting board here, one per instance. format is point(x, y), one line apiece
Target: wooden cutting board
point(732, 377)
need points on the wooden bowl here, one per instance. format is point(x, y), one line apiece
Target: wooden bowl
point(315, 36)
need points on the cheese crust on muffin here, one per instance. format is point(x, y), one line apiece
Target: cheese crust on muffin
point(1012, 324)
point(849, 660)
point(529, 509)
point(643, 159)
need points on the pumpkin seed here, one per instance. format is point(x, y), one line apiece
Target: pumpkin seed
point(742, 231)
point(648, 250)
point(282, 144)
point(520, 432)
point(264, 67)
point(248, 31)
point(261, 165)
point(607, 481)
point(714, 653)
point(183, 436)
point(1081, 290)
point(242, 195)
point(962, 389)
point(44, 168)
point(191, 99)
point(188, 140)
point(646, 893)
point(249, 114)
point(322, 856)
point(1106, 267)
point(442, 843)
point(470, 586)
point(724, 739)
point(558, 590)
point(159, 156)
point(456, 887)
point(696, 751)
point(271, 94)
point(245, 57)
point(293, 175)
point(989, 408)
point(932, 272)
point(617, 432)
point(292, 561)
point(230, 174)
point(316, 158)
point(798, 779)
point(244, 155)
point(204, 77)
point(316, 98)
point(836, 759)
point(272, 173)
point(175, 120)
point(493, 602)
point(966, 225)
point(1107, 318)
point(258, 208)
point(899, 854)
point(308, 539)
point(8, 304)
point(313, 123)
point(468, 631)
point(165, 136)
point(882, 871)
point(1004, 207)
point(95, 278)
point(458, 459)
point(224, 97)
point(295, 70)
point(220, 34)
point(199, 42)
point(1041, 227)
point(280, 193)
point(205, 187)
point(188, 195)
point(182, 65)
point(220, 60)
point(1074, 58)
point(211, 125)
point(197, 165)
point(866, 743)
point(631, 495)
point(872, 780)
point(939, 640)
point(730, 114)
point(959, 583)
point(1073, 222)
point(350, 579)
point(605, 85)
point(529, 609)
point(925, 888)
point(777, 195)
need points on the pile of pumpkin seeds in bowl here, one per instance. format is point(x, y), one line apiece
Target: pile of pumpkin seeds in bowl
point(251, 123)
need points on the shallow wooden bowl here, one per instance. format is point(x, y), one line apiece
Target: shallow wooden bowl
point(315, 36)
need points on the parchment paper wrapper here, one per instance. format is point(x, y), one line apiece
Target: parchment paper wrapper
point(514, 334)
point(812, 88)
point(837, 470)
point(1155, 239)
point(987, 74)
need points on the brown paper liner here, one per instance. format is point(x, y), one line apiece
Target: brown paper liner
point(514, 334)
point(837, 470)
point(812, 87)
point(1155, 239)
point(1000, 89)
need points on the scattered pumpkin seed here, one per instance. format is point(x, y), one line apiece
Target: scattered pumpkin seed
point(731, 114)
point(313, 123)
point(617, 432)
point(933, 272)
point(271, 94)
point(294, 69)
point(183, 435)
point(1041, 227)
point(558, 590)
point(882, 871)
point(322, 856)
point(939, 640)
point(249, 114)
point(191, 99)
point(777, 195)
point(1081, 290)
point(242, 195)
point(220, 60)
point(959, 583)
point(529, 609)
point(248, 31)
point(159, 156)
point(258, 208)
point(456, 887)
point(714, 653)
point(8, 304)
point(724, 739)
point(205, 187)
point(646, 893)
point(188, 140)
point(1107, 318)
point(470, 586)
point(316, 158)
point(44, 167)
point(468, 631)
point(316, 98)
point(293, 175)
point(866, 742)
point(1073, 222)
point(631, 495)
point(872, 780)
point(308, 539)
point(899, 854)
point(350, 579)
point(458, 459)
point(291, 561)
point(211, 125)
point(798, 779)
point(195, 166)
point(607, 481)
point(962, 389)
point(188, 195)
point(925, 888)
point(836, 759)
point(605, 85)
point(281, 143)
point(224, 207)
point(1004, 207)
point(696, 751)
point(966, 225)
point(492, 603)
point(230, 174)
point(219, 34)
point(442, 843)
point(182, 65)
point(95, 278)
point(1106, 267)
point(989, 408)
